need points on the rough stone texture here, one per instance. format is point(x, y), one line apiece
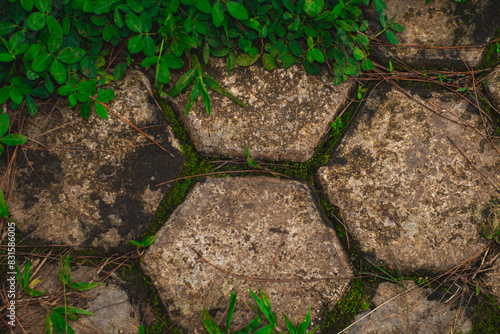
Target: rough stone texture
point(114, 311)
point(413, 310)
point(93, 183)
point(406, 192)
point(493, 87)
point(441, 23)
point(242, 225)
point(288, 112)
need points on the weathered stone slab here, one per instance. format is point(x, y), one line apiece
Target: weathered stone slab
point(493, 87)
point(93, 182)
point(287, 116)
point(406, 191)
point(267, 230)
point(113, 309)
point(437, 32)
point(410, 310)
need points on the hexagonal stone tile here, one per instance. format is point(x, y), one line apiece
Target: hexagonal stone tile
point(442, 33)
point(493, 87)
point(407, 192)
point(288, 112)
point(93, 182)
point(410, 309)
point(252, 232)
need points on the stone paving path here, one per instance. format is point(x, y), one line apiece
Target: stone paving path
point(414, 176)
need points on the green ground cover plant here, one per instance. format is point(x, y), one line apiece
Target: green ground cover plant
point(64, 46)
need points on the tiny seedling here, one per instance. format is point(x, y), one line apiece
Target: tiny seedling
point(146, 242)
point(494, 232)
point(253, 326)
point(250, 160)
point(24, 280)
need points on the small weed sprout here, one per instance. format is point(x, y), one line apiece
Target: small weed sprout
point(492, 233)
point(336, 127)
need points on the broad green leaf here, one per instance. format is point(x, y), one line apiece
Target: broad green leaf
point(287, 61)
point(135, 243)
point(135, 5)
point(48, 323)
point(33, 292)
point(366, 64)
point(203, 6)
point(82, 96)
point(237, 10)
point(105, 96)
point(27, 5)
point(71, 55)
point(245, 60)
point(380, 5)
point(148, 241)
point(5, 93)
point(218, 14)
point(149, 48)
point(99, 20)
point(313, 7)
point(65, 90)
point(58, 72)
point(317, 55)
point(244, 44)
point(136, 44)
point(133, 23)
point(36, 21)
point(4, 124)
point(101, 111)
point(397, 27)
point(183, 82)
point(289, 5)
point(209, 323)
point(163, 73)
point(195, 92)
point(146, 22)
point(72, 100)
point(85, 109)
point(147, 62)
point(31, 105)
point(55, 42)
point(312, 69)
point(269, 62)
point(358, 53)
point(14, 139)
point(118, 18)
point(43, 5)
point(54, 26)
point(295, 48)
point(59, 323)
point(119, 71)
point(391, 37)
point(206, 53)
point(16, 96)
point(172, 61)
point(6, 57)
point(32, 52)
point(4, 210)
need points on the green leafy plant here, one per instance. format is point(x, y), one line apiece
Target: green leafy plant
point(253, 326)
point(336, 127)
point(23, 279)
point(11, 139)
point(146, 241)
point(57, 318)
point(64, 46)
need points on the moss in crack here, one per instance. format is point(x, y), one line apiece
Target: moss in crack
point(491, 56)
point(342, 315)
point(486, 319)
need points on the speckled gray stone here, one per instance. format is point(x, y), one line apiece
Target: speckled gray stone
point(93, 182)
point(242, 225)
point(493, 87)
point(288, 112)
point(406, 192)
point(411, 309)
point(438, 24)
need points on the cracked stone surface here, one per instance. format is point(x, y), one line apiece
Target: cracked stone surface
point(441, 23)
point(92, 183)
point(407, 193)
point(410, 309)
point(288, 112)
point(243, 225)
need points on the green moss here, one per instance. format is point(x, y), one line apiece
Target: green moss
point(486, 319)
point(491, 57)
point(342, 315)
